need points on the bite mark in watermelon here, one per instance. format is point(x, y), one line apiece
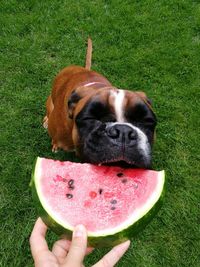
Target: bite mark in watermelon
point(112, 202)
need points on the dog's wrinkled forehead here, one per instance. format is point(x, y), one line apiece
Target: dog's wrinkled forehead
point(121, 104)
point(117, 102)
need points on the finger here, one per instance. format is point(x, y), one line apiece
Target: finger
point(78, 247)
point(60, 249)
point(37, 238)
point(112, 257)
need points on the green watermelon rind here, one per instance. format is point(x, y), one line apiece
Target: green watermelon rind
point(99, 241)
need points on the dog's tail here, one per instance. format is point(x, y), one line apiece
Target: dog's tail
point(88, 61)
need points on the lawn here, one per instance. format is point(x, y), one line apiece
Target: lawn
point(140, 45)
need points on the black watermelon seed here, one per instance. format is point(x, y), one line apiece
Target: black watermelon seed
point(124, 181)
point(120, 174)
point(71, 187)
point(114, 201)
point(100, 191)
point(113, 208)
point(71, 182)
point(69, 196)
point(64, 180)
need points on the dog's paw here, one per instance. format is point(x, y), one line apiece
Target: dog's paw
point(54, 148)
point(45, 122)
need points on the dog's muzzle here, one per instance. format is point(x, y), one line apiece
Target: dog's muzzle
point(113, 142)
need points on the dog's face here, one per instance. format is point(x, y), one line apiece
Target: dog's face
point(115, 125)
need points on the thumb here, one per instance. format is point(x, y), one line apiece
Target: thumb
point(78, 247)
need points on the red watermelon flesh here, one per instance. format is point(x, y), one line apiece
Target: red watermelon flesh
point(105, 199)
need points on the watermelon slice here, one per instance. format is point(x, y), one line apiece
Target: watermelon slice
point(112, 202)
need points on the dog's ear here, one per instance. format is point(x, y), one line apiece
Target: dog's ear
point(144, 97)
point(73, 100)
point(76, 96)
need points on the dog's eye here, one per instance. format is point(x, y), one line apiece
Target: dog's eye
point(100, 112)
point(108, 118)
point(148, 123)
point(88, 118)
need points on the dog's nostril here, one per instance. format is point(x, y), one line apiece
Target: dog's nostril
point(122, 133)
point(113, 132)
point(132, 135)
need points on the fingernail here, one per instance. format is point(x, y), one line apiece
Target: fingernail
point(124, 246)
point(79, 230)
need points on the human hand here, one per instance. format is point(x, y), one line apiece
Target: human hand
point(68, 254)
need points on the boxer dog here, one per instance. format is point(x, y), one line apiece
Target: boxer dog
point(102, 123)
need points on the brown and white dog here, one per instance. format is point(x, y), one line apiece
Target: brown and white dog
point(102, 123)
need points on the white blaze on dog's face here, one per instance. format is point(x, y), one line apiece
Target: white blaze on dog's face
point(119, 105)
point(116, 125)
point(119, 100)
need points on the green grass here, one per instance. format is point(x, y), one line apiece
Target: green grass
point(141, 45)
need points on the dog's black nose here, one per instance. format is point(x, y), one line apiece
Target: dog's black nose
point(122, 133)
